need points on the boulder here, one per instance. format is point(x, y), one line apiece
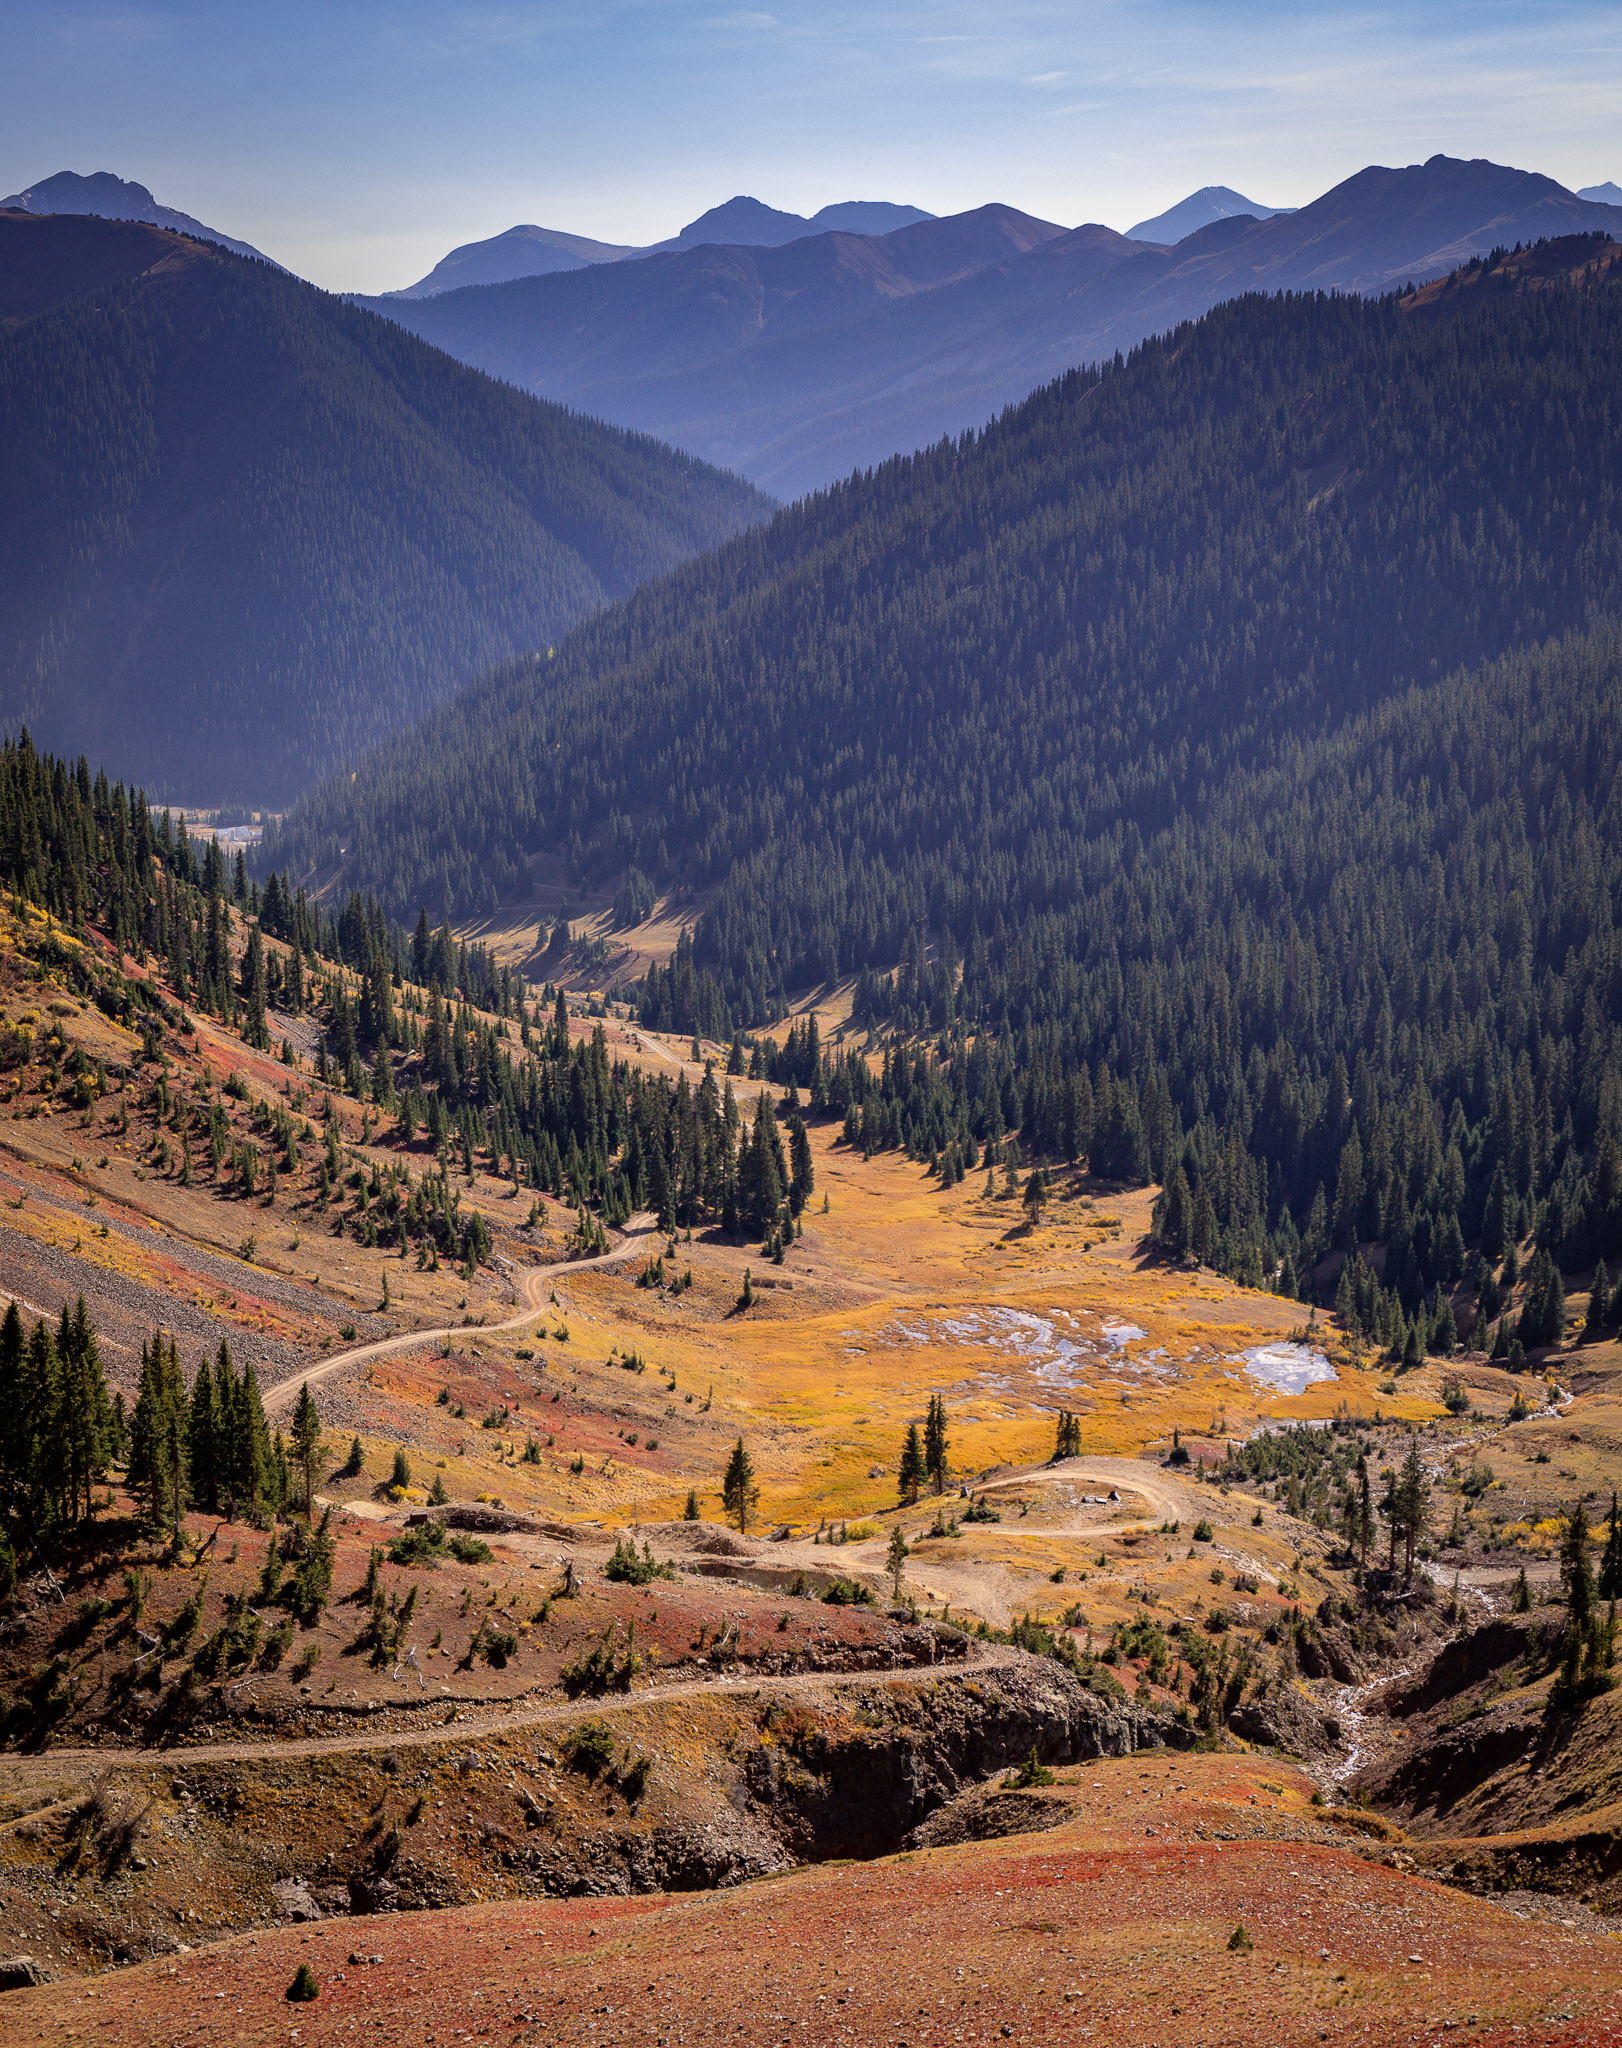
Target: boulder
point(294, 1900)
point(1286, 1718)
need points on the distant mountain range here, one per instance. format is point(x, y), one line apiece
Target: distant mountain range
point(796, 364)
point(1199, 210)
point(740, 222)
point(110, 198)
point(247, 531)
point(1608, 194)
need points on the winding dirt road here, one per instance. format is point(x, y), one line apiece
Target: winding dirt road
point(17, 1772)
point(282, 1396)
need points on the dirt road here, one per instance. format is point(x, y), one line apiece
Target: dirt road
point(538, 1281)
point(18, 1773)
point(969, 1581)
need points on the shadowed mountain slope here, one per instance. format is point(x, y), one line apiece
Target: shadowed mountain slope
point(1202, 710)
point(977, 660)
point(247, 530)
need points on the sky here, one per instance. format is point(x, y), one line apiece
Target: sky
point(357, 143)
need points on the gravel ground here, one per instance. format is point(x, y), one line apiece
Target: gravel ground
point(126, 1310)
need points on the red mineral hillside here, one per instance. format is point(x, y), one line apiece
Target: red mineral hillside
point(1216, 1922)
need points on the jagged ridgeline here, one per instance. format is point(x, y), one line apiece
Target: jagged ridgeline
point(1110, 707)
point(247, 530)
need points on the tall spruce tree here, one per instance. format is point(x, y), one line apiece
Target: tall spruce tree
point(305, 1448)
point(204, 1442)
point(159, 1434)
point(739, 1493)
point(911, 1474)
point(83, 1421)
point(1576, 1568)
point(1610, 1570)
point(935, 1442)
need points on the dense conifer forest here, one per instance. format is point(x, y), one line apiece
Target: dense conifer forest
point(246, 530)
point(1222, 745)
point(933, 696)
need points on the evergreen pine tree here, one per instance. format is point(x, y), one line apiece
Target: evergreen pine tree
point(762, 1179)
point(912, 1473)
point(739, 1493)
point(45, 1463)
point(255, 993)
point(1176, 1219)
point(1610, 1570)
point(1599, 1302)
point(1543, 1312)
point(203, 1443)
point(1412, 1502)
point(305, 1448)
point(173, 1431)
point(260, 1482)
point(802, 1175)
point(935, 1442)
point(83, 1422)
point(1576, 1569)
point(15, 1443)
point(1365, 1512)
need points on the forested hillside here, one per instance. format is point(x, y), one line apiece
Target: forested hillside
point(1145, 706)
point(247, 530)
point(920, 698)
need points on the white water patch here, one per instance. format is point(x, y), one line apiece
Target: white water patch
point(1292, 1368)
point(1055, 1358)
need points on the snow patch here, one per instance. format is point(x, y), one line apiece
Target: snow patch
point(1055, 1358)
point(1292, 1368)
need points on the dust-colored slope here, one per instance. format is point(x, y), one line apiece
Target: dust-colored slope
point(1120, 1934)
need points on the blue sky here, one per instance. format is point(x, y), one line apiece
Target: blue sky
point(357, 142)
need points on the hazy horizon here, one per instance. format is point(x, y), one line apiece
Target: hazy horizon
point(358, 144)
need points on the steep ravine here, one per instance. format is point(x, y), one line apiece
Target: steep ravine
point(699, 1788)
point(853, 1775)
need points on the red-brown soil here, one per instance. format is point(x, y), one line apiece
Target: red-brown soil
point(1078, 1934)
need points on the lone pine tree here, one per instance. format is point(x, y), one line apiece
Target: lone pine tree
point(739, 1493)
point(305, 1446)
point(912, 1472)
